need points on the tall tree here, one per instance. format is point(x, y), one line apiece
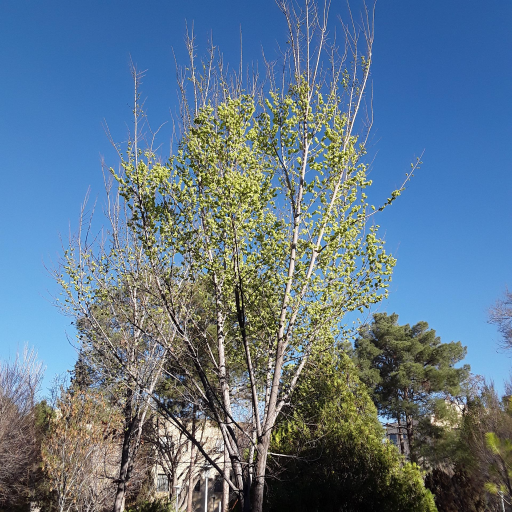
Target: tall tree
point(407, 369)
point(264, 202)
point(116, 323)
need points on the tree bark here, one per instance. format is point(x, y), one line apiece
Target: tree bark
point(192, 463)
point(258, 486)
point(400, 437)
point(126, 455)
point(225, 485)
point(410, 436)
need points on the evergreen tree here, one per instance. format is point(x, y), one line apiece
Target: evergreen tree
point(408, 371)
point(334, 455)
point(82, 375)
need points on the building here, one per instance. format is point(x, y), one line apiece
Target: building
point(449, 415)
point(394, 432)
point(180, 471)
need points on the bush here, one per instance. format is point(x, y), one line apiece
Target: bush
point(342, 461)
point(159, 505)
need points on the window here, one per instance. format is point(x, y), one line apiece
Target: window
point(219, 445)
point(166, 442)
point(394, 439)
point(217, 486)
point(162, 483)
point(197, 488)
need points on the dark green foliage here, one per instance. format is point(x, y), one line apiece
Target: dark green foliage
point(83, 375)
point(458, 490)
point(408, 371)
point(43, 413)
point(341, 461)
point(160, 505)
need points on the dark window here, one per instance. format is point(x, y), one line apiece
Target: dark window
point(162, 483)
point(197, 488)
point(217, 486)
point(393, 438)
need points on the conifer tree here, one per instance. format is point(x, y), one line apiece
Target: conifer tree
point(407, 369)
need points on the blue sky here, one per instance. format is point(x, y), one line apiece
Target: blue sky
point(442, 81)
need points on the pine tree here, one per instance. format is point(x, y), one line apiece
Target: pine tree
point(407, 370)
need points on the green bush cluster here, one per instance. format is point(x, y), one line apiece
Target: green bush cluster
point(337, 457)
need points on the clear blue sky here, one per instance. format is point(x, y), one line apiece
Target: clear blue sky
point(442, 80)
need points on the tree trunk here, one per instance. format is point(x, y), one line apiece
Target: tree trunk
point(410, 437)
point(191, 478)
point(400, 437)
point(126, 456)
point(246, 496)
point(124, 475)
point(192, 463)
point(225, 485)
point(174, 486)
point(258, 484)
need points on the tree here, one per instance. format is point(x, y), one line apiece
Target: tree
point(488, 435)
point(501, 316)
point(264, 205)
point(330, 450)
point(19, 450)
point(459, 488)
point(130, 388)
point(456, 475)
point(407, 370)
point(501, 449)
point(115, 335)
point(81, 451)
